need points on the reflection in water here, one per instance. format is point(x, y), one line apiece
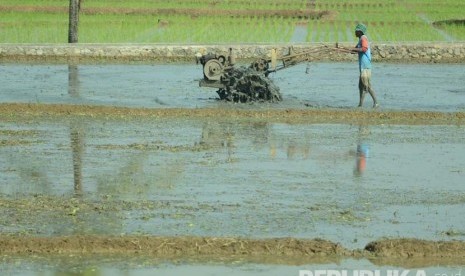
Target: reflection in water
point(133, 158)
point(218, 135)
point(227, 135)
point(362, 155)
point(224, 135)
point(145, 266)
point(73, 81)
point(363, 150)
point(76, 131)
point(293, 149)
point(77, 134)
point(139, 176)
point(130, 179)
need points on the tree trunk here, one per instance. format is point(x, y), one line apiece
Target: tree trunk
point(74, 7)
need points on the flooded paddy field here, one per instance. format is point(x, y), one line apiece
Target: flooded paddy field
point(438, 87)
point(136, 184)
point(249, 179)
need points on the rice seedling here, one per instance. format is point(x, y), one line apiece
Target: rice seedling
point(229, 21)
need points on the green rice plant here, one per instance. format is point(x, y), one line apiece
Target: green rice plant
point(347, 30)
point(328, 32)
point(310, 31)
point(318, 35)
point(376, 33)
point(136, 21)
point(40, 28)
point(456, 31)
point(37, 3)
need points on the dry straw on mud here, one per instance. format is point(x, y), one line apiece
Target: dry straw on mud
point(272, 115)
point(170, 247)
point(277, 250)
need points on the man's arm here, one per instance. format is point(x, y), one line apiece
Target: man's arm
point(364, 48)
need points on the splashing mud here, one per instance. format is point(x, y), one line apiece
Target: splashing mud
point(249, 86)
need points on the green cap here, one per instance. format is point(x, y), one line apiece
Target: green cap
point(361, 27)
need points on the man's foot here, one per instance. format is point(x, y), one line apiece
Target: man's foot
point(375, 105)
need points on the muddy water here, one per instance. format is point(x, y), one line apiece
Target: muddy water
point(146, 267)
point(347, 183)
point(399, 86)
point(239, 179)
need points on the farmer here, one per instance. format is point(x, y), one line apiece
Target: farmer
point(364, 61)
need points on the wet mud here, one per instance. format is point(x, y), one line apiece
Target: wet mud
point(92, 179)
point(166, 135)
point(171, 247)
point(232, 113)
point(284, 251)
point(399, 87)
point(222, 248)
point(249, 86)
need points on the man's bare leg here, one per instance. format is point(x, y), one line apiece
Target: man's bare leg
point(361, 88)
point(373, 96)
point(362, 97)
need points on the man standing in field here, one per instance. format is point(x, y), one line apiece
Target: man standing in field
point(364, 62)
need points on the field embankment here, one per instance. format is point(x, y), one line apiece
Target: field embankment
point(393, 52)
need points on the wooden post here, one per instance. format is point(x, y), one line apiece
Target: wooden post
point(74, 6)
